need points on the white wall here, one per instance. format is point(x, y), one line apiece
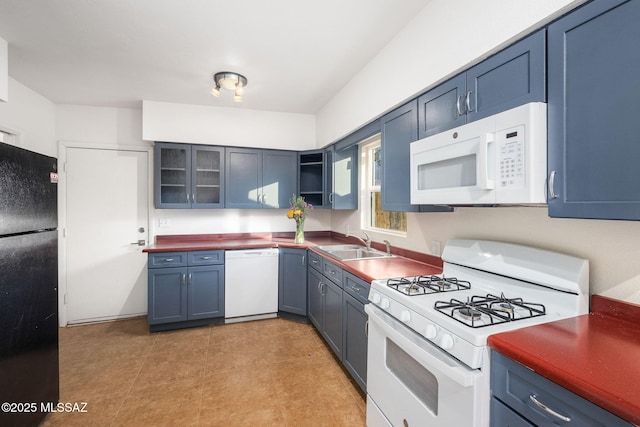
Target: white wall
point(610, 246)
point(199, 124)
point(100, 125)
point(442, 39)
point(31, 117)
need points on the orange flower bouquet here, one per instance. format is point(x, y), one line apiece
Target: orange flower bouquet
point(298, 211)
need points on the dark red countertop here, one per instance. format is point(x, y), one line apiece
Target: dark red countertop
point(405, 263)
point(596, 356)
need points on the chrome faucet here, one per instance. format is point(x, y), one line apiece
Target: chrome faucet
point(366, 240)
point(386, 242)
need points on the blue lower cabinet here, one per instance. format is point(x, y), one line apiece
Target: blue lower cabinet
point(354, 322)
point(521, 397)
point(292, 282)
point(180, 297)
point(335, 306)
point(325, 307)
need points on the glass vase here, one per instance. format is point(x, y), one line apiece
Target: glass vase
point(299, 239)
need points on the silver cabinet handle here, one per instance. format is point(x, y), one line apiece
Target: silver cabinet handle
point(552, 181)
point(264, 199)
point(303, 258)
point(366, 328)
point(355, 288)
point(167, 260)
point(183, 279)
point(330, 197)
point(314, 261)
point(319, 284)
point(548, 410)
point(206, 258)
point(468, 101)
point(190, 279)
point(458, 105)
point(193, 197)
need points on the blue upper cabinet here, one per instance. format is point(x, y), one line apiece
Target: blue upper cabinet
point(259, 178)
point(594, 82)
point(188, 176)
point(399, 128)
point(243, 178)
point(279, 178)
point(344, 194)
point(442, 107)
point(512, 77)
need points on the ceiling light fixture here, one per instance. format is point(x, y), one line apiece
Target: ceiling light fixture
point(230, 81)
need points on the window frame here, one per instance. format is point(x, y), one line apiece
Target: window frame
point(367, 187)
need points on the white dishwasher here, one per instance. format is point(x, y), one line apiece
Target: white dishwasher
point(250, 284)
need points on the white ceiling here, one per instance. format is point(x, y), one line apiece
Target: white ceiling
point(296, 54)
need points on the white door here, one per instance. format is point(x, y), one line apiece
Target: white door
point(106, 211)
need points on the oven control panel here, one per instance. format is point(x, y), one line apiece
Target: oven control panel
point(434, 333)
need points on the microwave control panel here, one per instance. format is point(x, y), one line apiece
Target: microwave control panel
point(511, 161)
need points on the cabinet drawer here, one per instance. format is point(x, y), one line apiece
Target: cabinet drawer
point(356, 287)
point(519, 388)
point(332, 272)
point(206, 257)
point(315, 260)
point(167, 259)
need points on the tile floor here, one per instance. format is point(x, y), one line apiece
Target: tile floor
point(271, 372)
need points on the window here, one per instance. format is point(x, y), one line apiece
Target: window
point(373, 217)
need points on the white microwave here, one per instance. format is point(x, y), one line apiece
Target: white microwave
point(501, 159)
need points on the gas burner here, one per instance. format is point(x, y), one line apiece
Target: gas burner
point(470, 313)
point(421, 285)
point(479, 311)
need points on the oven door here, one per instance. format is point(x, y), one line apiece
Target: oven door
point(413, 383)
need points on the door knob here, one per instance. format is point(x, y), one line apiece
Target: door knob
point(140, 242)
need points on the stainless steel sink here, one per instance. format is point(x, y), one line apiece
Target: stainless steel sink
point(352, 252)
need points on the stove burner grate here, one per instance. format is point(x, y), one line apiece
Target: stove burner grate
point(422, 285)
point(480, 311)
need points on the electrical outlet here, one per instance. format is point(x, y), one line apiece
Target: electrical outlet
point(164, 223)
point(436, 247)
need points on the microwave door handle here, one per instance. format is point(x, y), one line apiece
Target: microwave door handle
point(482, 173)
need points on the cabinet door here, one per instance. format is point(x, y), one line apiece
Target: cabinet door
point(279, 175)
point(243, 177)
point(207, 177)
point(172, 170)
point(442, 108)
point(512, 77)
point(328, 177)
point(332, 316)
point(292, 281)
point(206, 292)
point(167, 296)
point(345, 178)
point(592, 113)
point(399, 128)
point(314, 295)
point(355, 339)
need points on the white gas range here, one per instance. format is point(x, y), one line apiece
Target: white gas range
point(428, 335)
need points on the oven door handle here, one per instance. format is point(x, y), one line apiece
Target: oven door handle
point(404, 337)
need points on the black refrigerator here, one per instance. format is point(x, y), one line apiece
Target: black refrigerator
point(28, 286)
